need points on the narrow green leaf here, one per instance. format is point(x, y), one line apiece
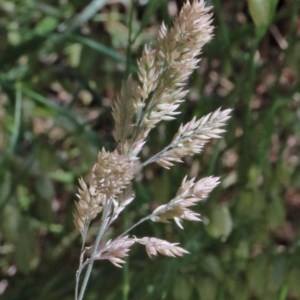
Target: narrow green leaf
point(108, 52)
point(62, 176)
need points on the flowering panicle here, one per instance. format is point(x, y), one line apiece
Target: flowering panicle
point(154, 96)
point(192, 136)
point(110, 176)
point(112, 173)
point(123, 112)
point(162, 74)
point(88, 206)
point(155, 246)
point(116, 250)
point(122, 201)
point(189, 193)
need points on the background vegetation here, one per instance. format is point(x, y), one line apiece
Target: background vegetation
point(62, 63)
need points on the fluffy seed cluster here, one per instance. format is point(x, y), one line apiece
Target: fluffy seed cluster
point(109, 181)
point(116, 250)
point(162, 75)
point(189, 194)
point(153, 97)
point(192, 136)
point(88, 206)
point(112, 173)
point(155, 246)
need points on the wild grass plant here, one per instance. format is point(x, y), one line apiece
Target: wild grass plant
point(62, 63)
point(143, 103)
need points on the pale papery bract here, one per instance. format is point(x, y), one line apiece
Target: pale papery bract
point(162, 75)
point(115, 250)
point(155, 246)
point(189, 194)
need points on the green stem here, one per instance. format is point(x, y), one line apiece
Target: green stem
point(81, 265)
point(86, 14)
point(156, 156)
point(17, 121)
point(102, 228)
point(135, 225)
point(125, 271)
point(245, 156)
point(126, 282)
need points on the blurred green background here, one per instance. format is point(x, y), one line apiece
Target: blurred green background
point(61, 65)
